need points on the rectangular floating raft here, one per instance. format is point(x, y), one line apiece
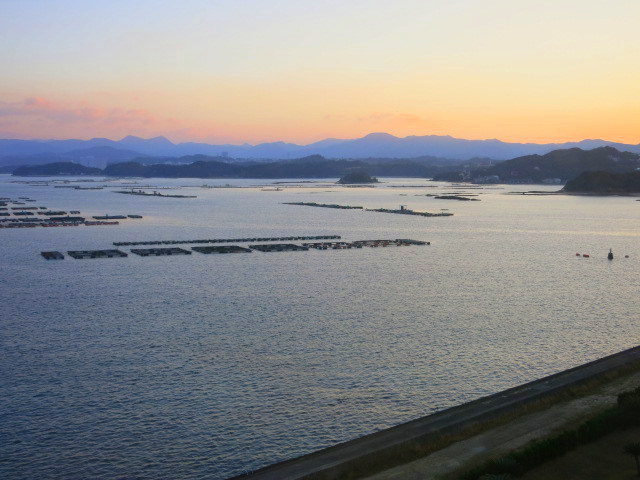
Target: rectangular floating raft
point(221, 249)
point(81, 254)
point(228, 240)
point(278, 247)
point(159, 252)
point(52, 255)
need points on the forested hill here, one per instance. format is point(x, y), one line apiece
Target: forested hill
point(309, 167)
point(561, 164)
point(56, 168)
point(566, 164)
point(604, 183)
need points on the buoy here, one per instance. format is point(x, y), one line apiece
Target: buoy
point(585, 255)
point(610, 256)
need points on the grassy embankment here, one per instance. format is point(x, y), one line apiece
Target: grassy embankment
point(618, 418)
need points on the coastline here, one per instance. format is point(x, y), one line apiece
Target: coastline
point(410, 441)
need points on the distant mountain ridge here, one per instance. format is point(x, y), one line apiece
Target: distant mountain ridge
point(99, 156)
point(201, 166)
point(372, 145)
point(558, 166)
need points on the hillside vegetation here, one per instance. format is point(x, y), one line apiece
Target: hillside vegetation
point(56, 168)
point(560, 164)
point(605, 183)
point(201, 166)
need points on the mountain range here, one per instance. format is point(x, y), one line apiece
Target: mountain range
point(199, 166)
point(99, 152)
point(559, 166)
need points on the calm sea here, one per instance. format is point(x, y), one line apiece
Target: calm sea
point(206, 366)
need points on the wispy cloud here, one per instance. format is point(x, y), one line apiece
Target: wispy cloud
point(44, 109)
point(379, 118)
point(394, 118)
point(43, 116)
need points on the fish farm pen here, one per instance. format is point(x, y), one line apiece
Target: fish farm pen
point(400, 242)
point(331, 245)
point(221, 249)
point(228, 240)
point(58, 219)
point(33, 225)
point(158, 252)
point(91, 224)
point(25, 217)
point(278, 247)
point(81, 254)
point(52, 255)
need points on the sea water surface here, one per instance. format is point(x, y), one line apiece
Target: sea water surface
point(207, 366)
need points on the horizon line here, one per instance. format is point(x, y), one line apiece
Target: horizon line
point(164, 137)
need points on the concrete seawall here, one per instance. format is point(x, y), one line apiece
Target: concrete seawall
point(411, 440)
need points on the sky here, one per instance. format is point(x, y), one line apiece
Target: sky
point(235, 71)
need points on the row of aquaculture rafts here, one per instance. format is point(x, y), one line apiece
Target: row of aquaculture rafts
point(218, 249)
point(56, 224)
point(399, 242)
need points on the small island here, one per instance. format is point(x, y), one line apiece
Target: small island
point(357, 177)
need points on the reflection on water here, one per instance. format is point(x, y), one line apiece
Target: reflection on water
point(204, 366)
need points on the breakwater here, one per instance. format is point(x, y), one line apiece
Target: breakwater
point(409, 441)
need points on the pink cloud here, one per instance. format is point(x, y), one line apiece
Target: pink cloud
point(393, 118)
point(41, 115)
point(380, 118)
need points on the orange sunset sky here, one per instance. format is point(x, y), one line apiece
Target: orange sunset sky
point(300, 71)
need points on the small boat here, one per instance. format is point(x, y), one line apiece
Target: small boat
point(585, 255)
